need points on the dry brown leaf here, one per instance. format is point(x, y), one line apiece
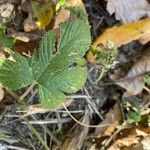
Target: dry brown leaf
point(128, 10)
point(113, 117)
point(133, 84)
point(26, 37)
point(34, 109)
point(76, 3)
point(127, 141)
point(90, 57)
point(141, 133)
point(6, 10)
point(125, 33)
point(62, 16)
point(146, 143)
point(29, 25)
point(76, 138)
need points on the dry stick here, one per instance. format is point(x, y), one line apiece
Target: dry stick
point(85, 125)
point(48, 131)
point(15, 147)
point(29, 125)
point(27, 91)
point(147, 89)
point(93, 105)
point(37, 134)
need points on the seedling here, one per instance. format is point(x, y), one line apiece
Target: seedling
point(52, 68)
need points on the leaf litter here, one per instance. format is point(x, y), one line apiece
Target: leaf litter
point(103, 98)
point(128, 10)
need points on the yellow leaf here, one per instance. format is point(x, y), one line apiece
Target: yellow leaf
point(43, 11)
point(123, 34)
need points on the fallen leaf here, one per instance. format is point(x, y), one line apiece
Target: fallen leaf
point(140, 133)
point(127, 141)
point(113, 117)
point(129, 10)
point(44, 11)
point(6, 10)
point(63, 15)
point(29, 25)
point(146, 143)
point(75, 138)
point(125, 33)
point(75, 3)
point(26, 37)
point(132, 82)
point(91, 57)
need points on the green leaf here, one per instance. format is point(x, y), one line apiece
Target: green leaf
point(43, 55)
point(59, 4)
point(50, 98)
point(147, 79)
point(72, 79)
point(15, 74)
point(3, 134)
point(133, 116)
point(75, 38)
point(54, 70)
point(78, 12)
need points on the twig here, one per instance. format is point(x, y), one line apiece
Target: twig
point(147, 89)
point(78, 96)
point(28, 124)
point(15, 147)
point(93, 105)
point(51, 121)
point(37, 134)
point(27, 91)
point(85, 125)
point(49, 133)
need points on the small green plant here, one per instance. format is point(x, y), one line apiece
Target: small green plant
point(53, 68)
point(3, 134)
point(5, 41)
point(133, 114)
point(106, 57)
point(147, 79)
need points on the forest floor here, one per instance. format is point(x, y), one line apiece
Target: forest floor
point(98, 117)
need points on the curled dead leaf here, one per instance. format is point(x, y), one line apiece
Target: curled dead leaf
point(128, 10)
point(127, 141)
point(125, 33)
point(113, 117)
point(133, 82)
